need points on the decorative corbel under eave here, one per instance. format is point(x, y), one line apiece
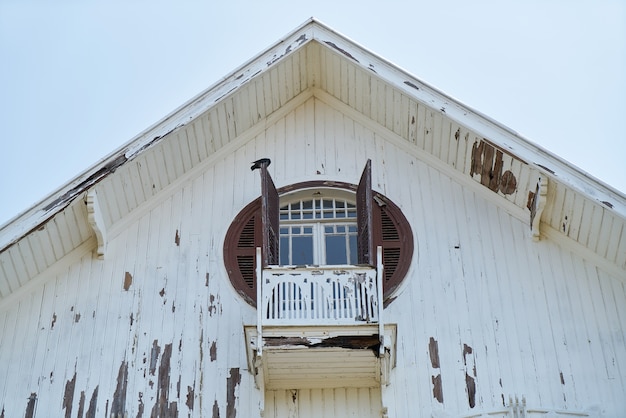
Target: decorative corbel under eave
point(94, 217)
point(536, 204)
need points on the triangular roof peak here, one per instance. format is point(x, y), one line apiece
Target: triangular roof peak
point(315, 60)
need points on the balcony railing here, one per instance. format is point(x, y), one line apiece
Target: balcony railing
point(319, 295)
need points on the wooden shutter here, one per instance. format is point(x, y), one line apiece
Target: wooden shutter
point(269, 218)
point(365, 242)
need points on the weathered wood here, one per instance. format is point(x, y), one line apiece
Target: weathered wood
point(543, 320)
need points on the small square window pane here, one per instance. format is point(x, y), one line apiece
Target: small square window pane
point(352, 228)
point(295, 230)
point(284, 231)
point(307, 215)
point(340, 204)
point(341, 229)
point(308, 230)
point(307, 205)
point(328, 229)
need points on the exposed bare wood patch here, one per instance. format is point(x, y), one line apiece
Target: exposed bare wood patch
point(162, 407)
point(487, 163)
point(214, 305)
point(118, 405)
point(162, 292)
point(231, 384)
point(470, 383)
point(81, 405)
point(128, 280)
point(536, 203)
point(216, 410)
point(190, 398)
point(359, 342)
point(154, 355)
point(140, 406)
point(30, 406)
point(562, 379)
point(2, 413)
point(206, 280)
point(470, 386)
point(343, 51)
point(54, 320)
point(433, 350)
point(177, 238)
point(68, 396)
point(437, 389)
point(466, 350)
point(213, 351)
point(93, 402)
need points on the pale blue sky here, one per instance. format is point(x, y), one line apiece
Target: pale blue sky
point(80, 78)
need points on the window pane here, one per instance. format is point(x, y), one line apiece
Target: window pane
point(284, 250)
point(353, 250)
point(302, 250)
point(307, 204)
point(336, 249)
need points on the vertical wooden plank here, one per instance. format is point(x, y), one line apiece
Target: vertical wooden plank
point(284, 80)
point(37, 251)
point(143, 180)
point(585, 223)
point(215, 130)
point(230, 117)
point(5, 290)
point(19, 274)
point(222, 117)
point(119, 197)
point(344, 80)
point(194, 153)
point(446, 138)
point(602, 235)
point(412, 124)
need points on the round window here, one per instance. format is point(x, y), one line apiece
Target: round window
point(318, 226)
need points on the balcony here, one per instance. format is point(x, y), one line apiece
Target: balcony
point(319, 327)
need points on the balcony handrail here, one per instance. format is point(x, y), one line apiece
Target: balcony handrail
point(318, 295)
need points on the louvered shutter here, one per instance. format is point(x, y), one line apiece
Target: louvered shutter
point(269, 218)
point(365, 242)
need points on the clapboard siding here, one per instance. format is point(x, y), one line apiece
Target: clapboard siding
point(512, 316)
point(323, 403)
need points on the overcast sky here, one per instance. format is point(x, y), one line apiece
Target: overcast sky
point(80, 78)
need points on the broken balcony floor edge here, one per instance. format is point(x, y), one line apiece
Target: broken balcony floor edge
point(297, 357)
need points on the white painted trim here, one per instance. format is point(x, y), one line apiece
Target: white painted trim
point(95, 220)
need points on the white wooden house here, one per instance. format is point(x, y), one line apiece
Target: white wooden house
point(402, 255)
